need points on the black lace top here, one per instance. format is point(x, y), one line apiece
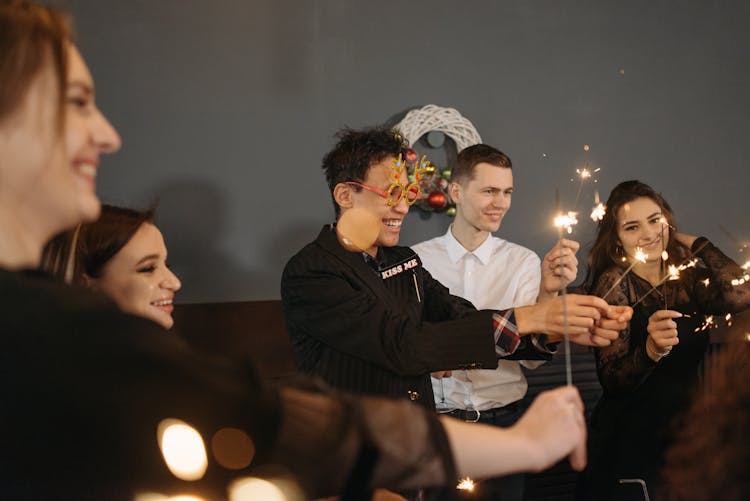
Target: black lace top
point(634, 421)
point(705, 289)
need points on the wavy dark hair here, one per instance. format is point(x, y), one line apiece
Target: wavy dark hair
point(356, 151)
point(604, 253)
point(86, 249)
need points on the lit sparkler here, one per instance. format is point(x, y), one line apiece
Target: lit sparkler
point(676, 275)
point(599, 210)
point(466, 484)
point(640, 257)
point(566, 221)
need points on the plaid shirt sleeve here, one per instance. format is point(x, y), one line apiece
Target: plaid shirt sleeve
point(508, 340)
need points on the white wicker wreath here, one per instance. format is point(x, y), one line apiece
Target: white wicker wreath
point(449, 121)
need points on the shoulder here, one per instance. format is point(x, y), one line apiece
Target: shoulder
point(431, 246)
point(515, 254)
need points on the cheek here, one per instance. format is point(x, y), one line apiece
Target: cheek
point(132, 295)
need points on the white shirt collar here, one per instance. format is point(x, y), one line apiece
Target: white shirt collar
point(456, 251)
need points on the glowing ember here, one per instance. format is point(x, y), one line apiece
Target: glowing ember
point(706, 282)
point(583, 173)
point(566, 221)
point(586, 147)
point(597, 213)
point(640, 255)
point(673, 272)
point(466, 484)
point(664, 255)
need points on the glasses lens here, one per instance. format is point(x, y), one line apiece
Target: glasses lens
point(394, 193)
point(412, 193)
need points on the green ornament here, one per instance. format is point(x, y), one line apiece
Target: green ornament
point(451, 211)
point(446, 174)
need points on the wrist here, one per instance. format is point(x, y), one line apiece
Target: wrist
point(652, 352)
point(525, 319)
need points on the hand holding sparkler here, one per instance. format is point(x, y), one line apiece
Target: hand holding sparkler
point(559, 268)
point(662, 333)
point(590, 320)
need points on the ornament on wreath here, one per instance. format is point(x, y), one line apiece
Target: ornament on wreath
point(436, 122)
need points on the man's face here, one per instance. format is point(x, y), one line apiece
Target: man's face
point(380, 176)
point(483, 201)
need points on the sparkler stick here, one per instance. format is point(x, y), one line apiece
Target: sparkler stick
point(560, 222)
point(640, 257)
point(664, 257)
point(674, 272)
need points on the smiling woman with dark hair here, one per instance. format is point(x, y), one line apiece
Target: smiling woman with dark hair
point(650, 372)
point(121, 254)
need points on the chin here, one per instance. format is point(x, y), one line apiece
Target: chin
point(90, 208)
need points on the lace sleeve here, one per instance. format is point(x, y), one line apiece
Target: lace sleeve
point(623, 365)
point(718, 289)
point(324, 437)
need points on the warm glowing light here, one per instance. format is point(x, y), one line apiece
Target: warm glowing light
point(251, 488)
point(747, 337)
point(566, 221)
point(466, 484)
point(640, 255)
point(706, 282)
point(707, 323)
point(232, 448)
point(746, 266)
point(153, 496)
point(586, 147)
point(673, 272)
point(583, 173)
point(664, 255)
point(598, 212)
point(183, 449)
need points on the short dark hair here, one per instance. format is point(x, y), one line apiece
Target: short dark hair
point(92, 245)
point(468, 158)
point(356, 151)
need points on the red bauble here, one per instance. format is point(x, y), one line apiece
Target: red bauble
point(410, 156)
point(437, 200)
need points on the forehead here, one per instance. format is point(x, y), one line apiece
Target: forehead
point(382, 173)
point(640, 208)
point(486, 175)
point(78, 72)
point(145, 241)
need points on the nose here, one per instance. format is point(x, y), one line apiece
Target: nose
point(501, 201)
point(104, 134)
point(171, 282)
point(401, 207)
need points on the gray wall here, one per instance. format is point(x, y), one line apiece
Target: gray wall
point(226, 108)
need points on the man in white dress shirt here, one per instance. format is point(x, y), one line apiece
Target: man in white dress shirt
point(492, 273)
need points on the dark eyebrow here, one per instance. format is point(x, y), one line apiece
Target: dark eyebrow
point(657, 213)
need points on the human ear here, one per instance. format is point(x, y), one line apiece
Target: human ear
point(342, 194)
point(454, 190)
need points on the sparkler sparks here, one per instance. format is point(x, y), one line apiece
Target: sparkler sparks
point(466, 484)
point(597, 213)
point(673, 273)
point(566, 221)
point(639, 257)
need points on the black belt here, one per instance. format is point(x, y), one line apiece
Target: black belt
point(474, 416)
